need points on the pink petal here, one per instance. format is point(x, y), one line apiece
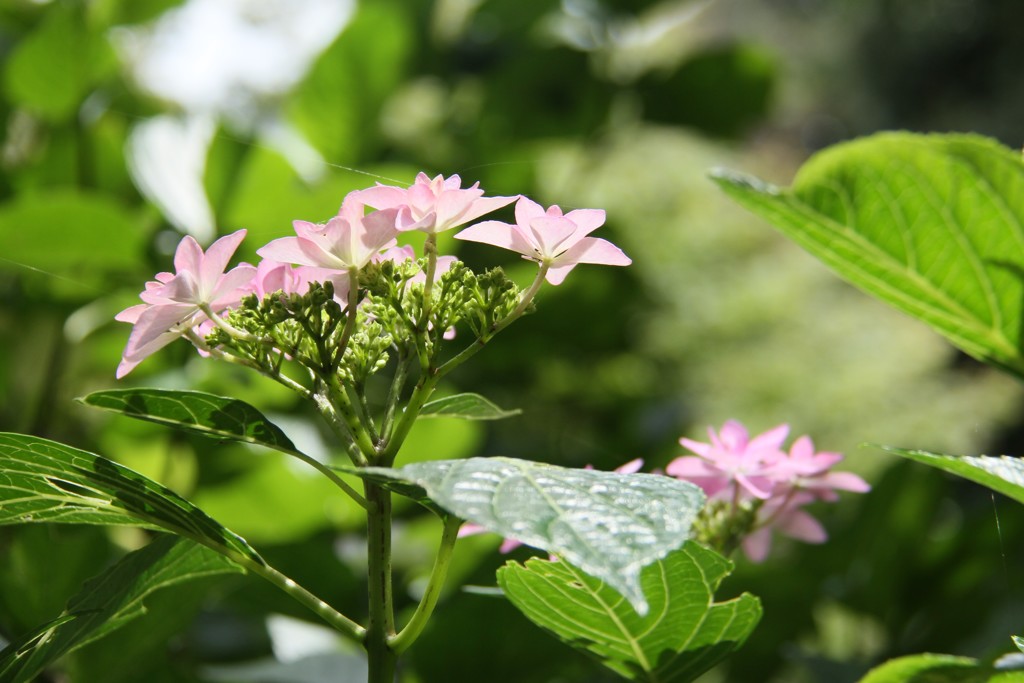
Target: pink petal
point(587, 220)
point(594, 250)
point(630, 467)
point(151, 325)
point(845, 481)
point(770, 440)
point(697, 447)
point(188, 257)
point(287, 250)
point(553, 235)
point(498, 234)
point(732, 437)
point(527, 210)
point(801, 526)
point(216, 259)
point(757, 545)
point(481, 207)
point(232, 286)
point(556, 275)
point(131, 314)
point(382, 196)
point(508, 545)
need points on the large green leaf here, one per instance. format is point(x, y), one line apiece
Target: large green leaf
point(931, 668)
point(467, 407)
point(1000, 473)
point(45, 481)
point(932, 224)
point(610, 525)
point(684, 634)
point(207, 414)
point(110, 601)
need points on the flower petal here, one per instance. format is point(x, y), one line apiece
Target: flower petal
point(216, 259)
point(498, 234)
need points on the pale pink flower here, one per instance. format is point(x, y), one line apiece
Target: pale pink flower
point(510, 544)
point(173, 302)
point(433, 206)
point(732, 466)
point(273, 276)
point(348, 241)
point(550, 238)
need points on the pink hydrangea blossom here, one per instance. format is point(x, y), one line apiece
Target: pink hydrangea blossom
point(739, 470)
point(550, 238)
point(174, 302)
point(273, 276)
point(732, 466)
point(433, 205)
point(347, 241)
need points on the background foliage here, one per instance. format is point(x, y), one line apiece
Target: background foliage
point(607, 104)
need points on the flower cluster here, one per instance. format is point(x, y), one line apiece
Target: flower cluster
point(754, 486)
point(202, 297)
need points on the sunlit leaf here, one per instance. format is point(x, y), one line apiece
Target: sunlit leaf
point(45, 481)
point(1000, 473)
point(29, 224)
point(466, 407)
point(608, 524)
point(53, 68)
point(207, 414)
point(111, 600)
point(932, 224)
point(684, 634)
point(931, 668)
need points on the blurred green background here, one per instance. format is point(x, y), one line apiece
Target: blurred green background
point(127, 123)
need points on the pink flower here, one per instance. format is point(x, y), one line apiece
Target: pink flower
point(433, 206)
point(348, 241)
point(732, 465)
point(757, 474)
point(173, 302)
point(272, 276)
point(785, 516)
point(550, 238)
point(510, 544)
point(806, 470)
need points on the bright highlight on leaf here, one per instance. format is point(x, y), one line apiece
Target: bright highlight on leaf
point(466, 407)
point(45, 481)
point(932, 224)
point(207, 414)
point(609, 525)
point(1003, 474)
point(684, 634)
point(933, 668)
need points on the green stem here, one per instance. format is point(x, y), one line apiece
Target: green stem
point(395, 392)
point(351, 310)
point(339, 621)
point(424, 388)
point(401, 642)
point(430, 248)
point(342, 403)
point(381, 625)
point(330, 474)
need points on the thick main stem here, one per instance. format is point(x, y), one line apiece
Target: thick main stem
point(380, 628)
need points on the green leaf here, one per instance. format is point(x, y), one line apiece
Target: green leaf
point(45, 481)
point(110, 601)
point(931, 668)
point(684, 634)
point(931, 224)
point(214, 416)
point(1019, 642)
point(610, 525)
point(53, 68)
point(1003, 473)
point(466, 407)
point(27, 226)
